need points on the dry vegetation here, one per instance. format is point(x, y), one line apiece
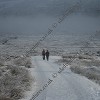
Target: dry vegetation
point(14, 78)
point(85, 65)
point(21, 61)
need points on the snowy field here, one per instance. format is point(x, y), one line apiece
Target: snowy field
point(23, 23)
point(64, 86)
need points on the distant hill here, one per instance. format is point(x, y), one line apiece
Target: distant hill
point(48, 7)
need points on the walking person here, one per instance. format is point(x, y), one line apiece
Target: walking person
point(43, 54)
point(47, 55)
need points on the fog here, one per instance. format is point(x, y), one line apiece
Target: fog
point(75, 23)
point(35, 16)
point(30, 18)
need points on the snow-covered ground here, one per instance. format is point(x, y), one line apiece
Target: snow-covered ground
point(66, 85)
point(23, 22)
point(34, 86)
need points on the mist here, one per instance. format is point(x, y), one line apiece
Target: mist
point(32, 18)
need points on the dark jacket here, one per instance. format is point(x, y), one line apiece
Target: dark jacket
point(47, 53)
point(43, 53)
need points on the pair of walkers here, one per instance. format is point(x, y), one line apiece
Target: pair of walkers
point(45, 53)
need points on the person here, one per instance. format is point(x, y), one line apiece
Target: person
point(43, 54)
point(47, 55)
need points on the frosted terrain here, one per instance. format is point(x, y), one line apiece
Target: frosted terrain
point(24, 22)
